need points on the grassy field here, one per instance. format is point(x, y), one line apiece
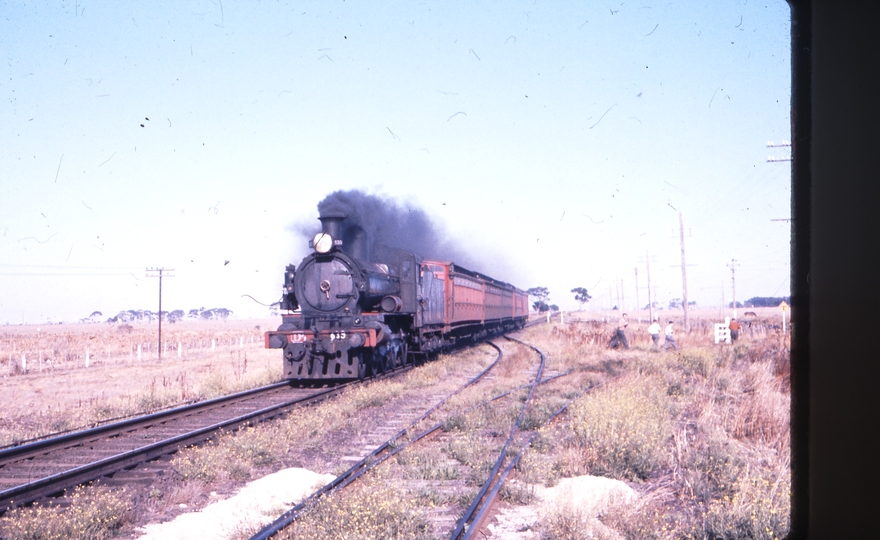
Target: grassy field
point(701, 435)
point(54, 389)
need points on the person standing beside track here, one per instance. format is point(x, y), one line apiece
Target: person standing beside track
point(669, 338)
point(654, 330)
point(620, 335)
point(735, 327)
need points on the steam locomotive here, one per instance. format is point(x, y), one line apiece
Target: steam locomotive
point(349, 316)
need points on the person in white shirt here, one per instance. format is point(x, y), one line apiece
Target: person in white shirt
point(654, 330)
point(669, 339)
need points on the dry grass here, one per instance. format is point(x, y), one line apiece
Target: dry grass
point(93, 514)
point(705, 432)
point(369, 510)
point(701, 435)
point(71, 396)
point(622, 430)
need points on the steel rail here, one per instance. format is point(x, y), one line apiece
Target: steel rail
point(370, 460)
point(481, 515)
point(23, 451)
point(56, 483)
point(493, 476)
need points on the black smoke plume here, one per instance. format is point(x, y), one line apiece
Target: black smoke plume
point(385, 225)
point(388, 225)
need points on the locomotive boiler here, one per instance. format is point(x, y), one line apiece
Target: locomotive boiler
point(350, 313)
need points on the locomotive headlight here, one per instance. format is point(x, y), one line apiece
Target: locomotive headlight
point(322, 242)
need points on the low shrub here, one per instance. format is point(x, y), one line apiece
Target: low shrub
point(759, 509)
point(623, 428)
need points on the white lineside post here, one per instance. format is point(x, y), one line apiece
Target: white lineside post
point(783, 306)
point(548, 316)
point(241, 342)
point(41, 360)
point(24, 362)
point(87, 357)
point(179, 349)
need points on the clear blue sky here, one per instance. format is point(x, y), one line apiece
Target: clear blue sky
point(585, 128)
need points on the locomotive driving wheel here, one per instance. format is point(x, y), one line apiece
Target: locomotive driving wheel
point(403, 352)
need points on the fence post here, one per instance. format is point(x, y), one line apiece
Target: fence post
point(87, 357)
point(24, 362)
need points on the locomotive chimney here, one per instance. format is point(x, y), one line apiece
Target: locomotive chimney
point(332, 224)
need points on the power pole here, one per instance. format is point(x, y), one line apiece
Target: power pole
point(733, 264)
point(684, 279)
point(160, 276)
point(650, 303)
point(617, 285)
point(638, 304)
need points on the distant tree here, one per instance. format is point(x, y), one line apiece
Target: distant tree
point(693, 303)
point(554, 307)
point(542, 296)
point(540, 307)
point(738, 304)
point(675, 303)
point(581, 295)
point(768, 301)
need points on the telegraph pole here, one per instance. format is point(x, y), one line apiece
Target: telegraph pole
point(617, 286)
point(650, 304)
point(684, 279)
point(638, 304)
point(160, 275)
point(733, 264)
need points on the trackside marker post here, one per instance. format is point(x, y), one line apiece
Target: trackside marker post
point(783, 306)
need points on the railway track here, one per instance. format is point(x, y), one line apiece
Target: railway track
point(375, 456)
point(47, 467)
point(474, 517)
